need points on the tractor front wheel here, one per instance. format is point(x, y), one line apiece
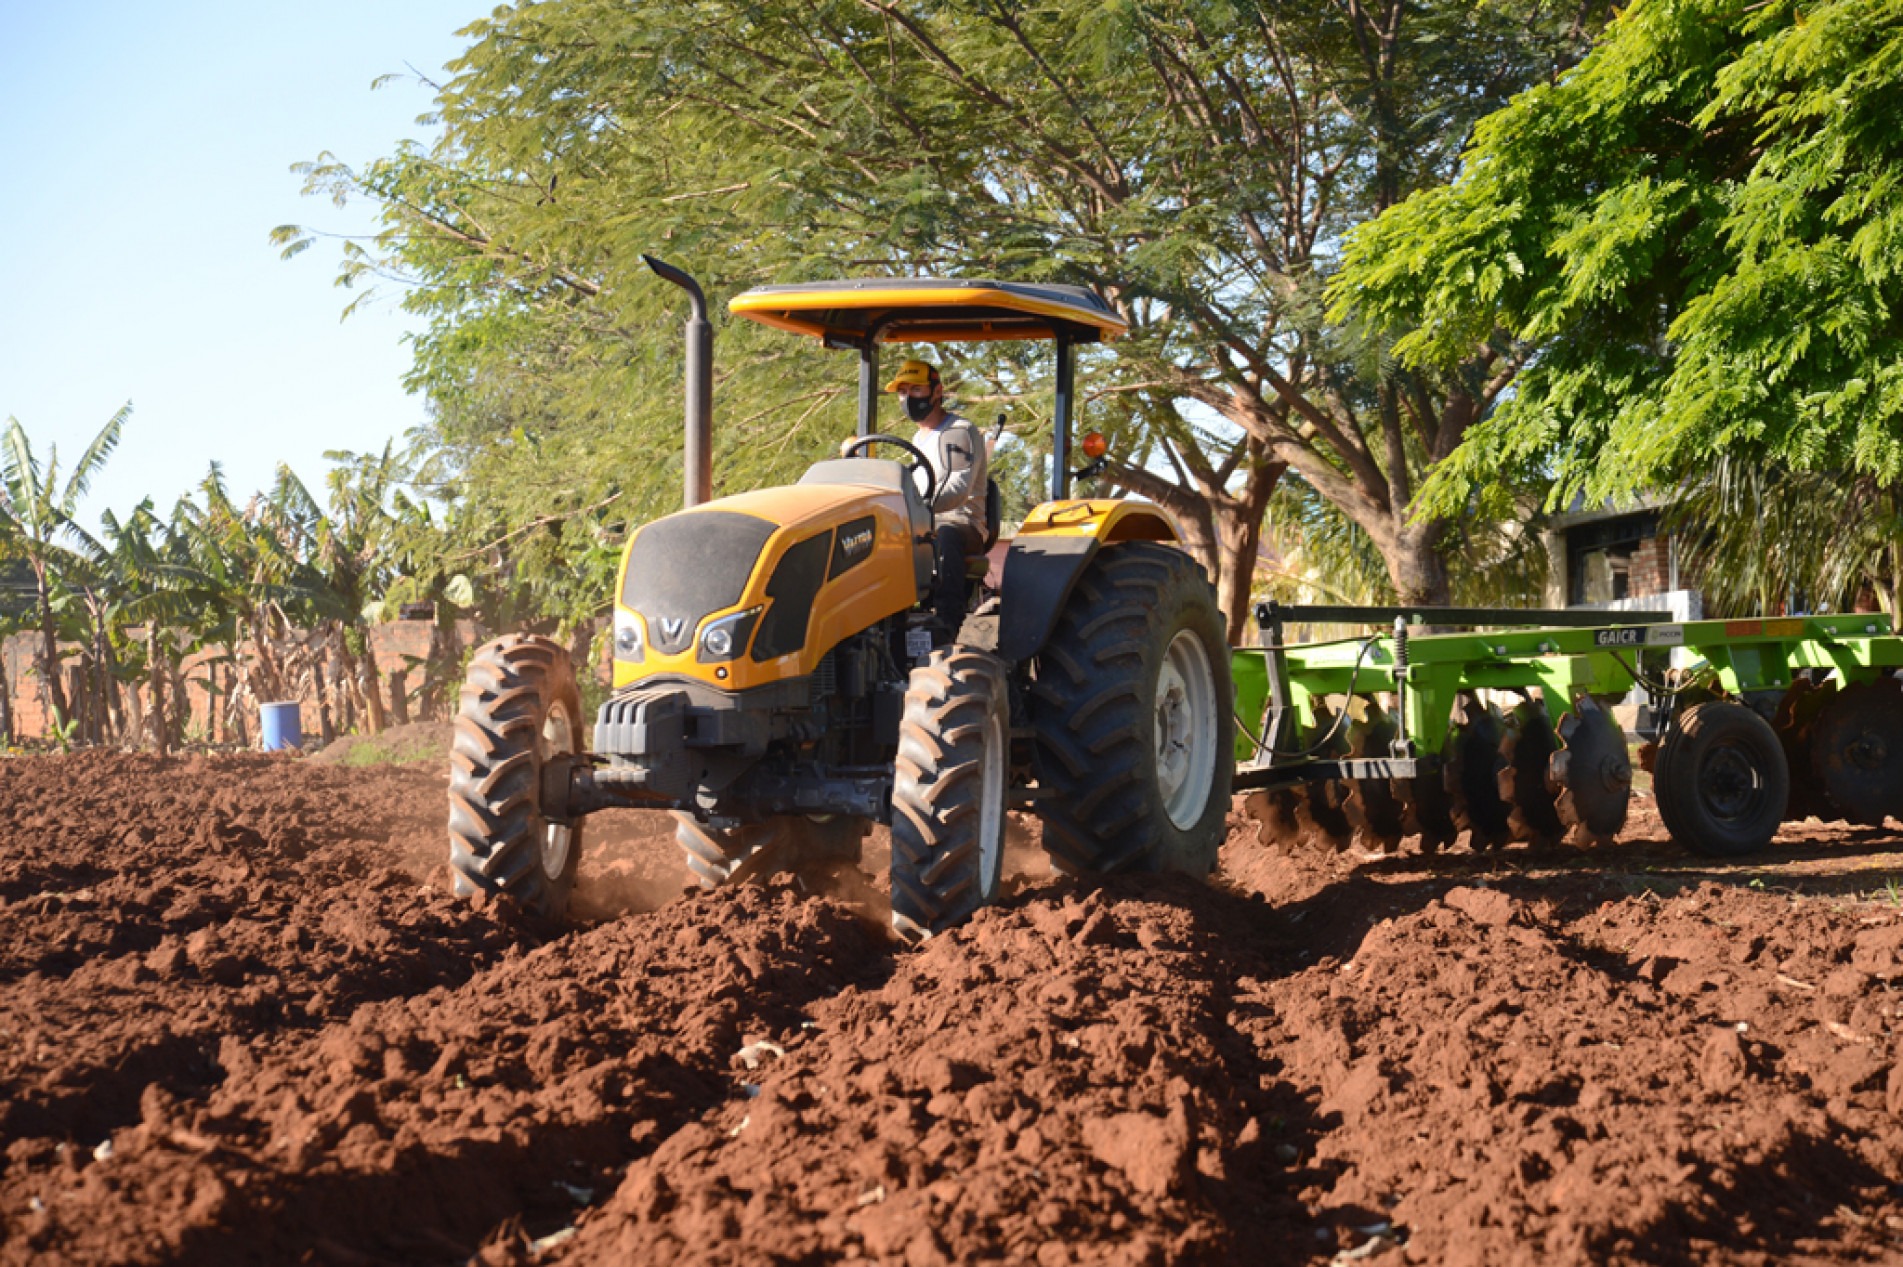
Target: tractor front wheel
point(521, 711)
point(948, 791)
point(1135, 719)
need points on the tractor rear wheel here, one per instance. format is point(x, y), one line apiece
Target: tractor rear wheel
point(1134, 716)
point(948, 791)
point(520, 711)
point(1721, 780)
point(754, 851)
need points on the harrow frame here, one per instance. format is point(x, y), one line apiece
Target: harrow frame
point(1418, 686)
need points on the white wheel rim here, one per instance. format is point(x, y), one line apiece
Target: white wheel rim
point(1185, 730)
point(991, 810)
point(558, 737)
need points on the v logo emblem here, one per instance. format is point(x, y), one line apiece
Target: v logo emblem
point(672, 627)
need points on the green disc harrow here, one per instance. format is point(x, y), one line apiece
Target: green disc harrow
point(1505, 732)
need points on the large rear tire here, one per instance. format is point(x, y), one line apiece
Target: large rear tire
point(948, 791)
point(1135, 717)
point(754, 851)
point(520, 708)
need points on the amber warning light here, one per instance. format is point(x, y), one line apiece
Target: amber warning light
point(1095, 446)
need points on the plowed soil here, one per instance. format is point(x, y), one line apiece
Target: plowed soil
point(242, 1020)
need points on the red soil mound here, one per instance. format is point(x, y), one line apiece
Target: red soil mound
point(241, 1020)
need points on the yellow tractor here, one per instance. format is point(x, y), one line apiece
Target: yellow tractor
point(778, 687)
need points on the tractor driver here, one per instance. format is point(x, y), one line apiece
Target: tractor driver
point(956, 451)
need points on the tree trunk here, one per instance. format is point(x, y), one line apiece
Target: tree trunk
point(236, 731)
point(181, 712)
point(400, 696)
point(265, 670)
point(1239, 523)
point(362, 671)
point(74, 729)
point(52, 689)
point(132, 704)
point(343, 679)
point(320, 675)
point(110, 718)
point(155, 668)
point(1415, 566)
point(6, 697)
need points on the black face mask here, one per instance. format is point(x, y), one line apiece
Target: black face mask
point(919, 408)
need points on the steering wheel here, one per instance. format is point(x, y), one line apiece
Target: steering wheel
point(919, 465)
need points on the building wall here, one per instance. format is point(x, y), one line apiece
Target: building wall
point(1650, 569)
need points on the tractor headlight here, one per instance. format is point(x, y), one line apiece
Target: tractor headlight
point(727, 637)
point(629, 644)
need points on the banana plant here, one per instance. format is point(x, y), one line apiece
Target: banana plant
point(37, 508)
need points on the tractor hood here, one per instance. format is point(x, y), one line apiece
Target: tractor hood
point(754, 588)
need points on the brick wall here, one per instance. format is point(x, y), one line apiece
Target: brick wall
point(16, 660)
point(1650, 568)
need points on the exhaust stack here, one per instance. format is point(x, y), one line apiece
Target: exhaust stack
point(697, 456)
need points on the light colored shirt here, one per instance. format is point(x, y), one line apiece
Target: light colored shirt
point(956, 450)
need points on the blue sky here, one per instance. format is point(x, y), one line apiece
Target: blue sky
point(145, 154)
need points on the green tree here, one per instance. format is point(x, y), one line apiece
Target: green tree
point(1194, 162)
point(154, 589)
point(1694, 235)
point(346, 548)
point(1758, 537)
point(37, 508)
point(250, 586)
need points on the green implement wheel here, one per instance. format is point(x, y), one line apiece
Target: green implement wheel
point(1856, 752)
point(1721, 780)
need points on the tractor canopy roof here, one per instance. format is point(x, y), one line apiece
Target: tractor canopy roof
point(931, 310)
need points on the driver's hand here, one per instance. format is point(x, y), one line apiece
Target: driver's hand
point(845, 446)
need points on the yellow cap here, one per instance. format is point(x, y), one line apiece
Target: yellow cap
point(913, 374)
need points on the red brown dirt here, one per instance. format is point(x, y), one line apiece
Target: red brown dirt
point(242, 1020)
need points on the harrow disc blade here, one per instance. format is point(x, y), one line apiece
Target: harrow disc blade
point(1273, 813)
point(1324, 821)
point(1591, 774)
point(1795, 723)
point(1319, 806)
point(1527, 745)
point(1857, 751)
point(1473, 773)
point(1425, 810)
point(1372, 808)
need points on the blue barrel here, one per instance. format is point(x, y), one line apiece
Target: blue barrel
point(281, 726)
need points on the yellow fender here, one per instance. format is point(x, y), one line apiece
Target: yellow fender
point(1102, 519)
point(1053, 547)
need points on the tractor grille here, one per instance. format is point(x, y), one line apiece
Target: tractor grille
point(685, 566)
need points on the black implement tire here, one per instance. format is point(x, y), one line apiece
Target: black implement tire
point(1721, 780)
point(1139, 642)
point(948, 791)
point(520, 706)
point(755, 851)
